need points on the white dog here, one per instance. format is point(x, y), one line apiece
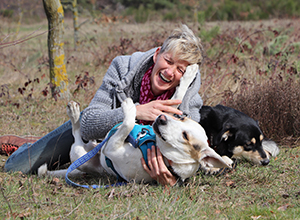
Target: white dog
point(182, 141)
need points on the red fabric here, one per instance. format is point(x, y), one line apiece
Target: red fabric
point(146, 94)
point(10, 143)
point(7, 149)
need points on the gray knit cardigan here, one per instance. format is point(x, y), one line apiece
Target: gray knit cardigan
point(123, 79)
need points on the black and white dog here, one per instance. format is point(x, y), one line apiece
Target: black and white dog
point(234, 134)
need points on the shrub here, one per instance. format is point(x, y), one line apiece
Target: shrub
point(257, 72)
point(208, 35)
point(7, 13)
point(141, 14)
point(275, 105)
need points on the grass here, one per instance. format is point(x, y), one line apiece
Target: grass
point(248, 192)
point(270, 192)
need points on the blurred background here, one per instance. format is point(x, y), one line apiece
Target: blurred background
point(252, 60)
point(162, 10)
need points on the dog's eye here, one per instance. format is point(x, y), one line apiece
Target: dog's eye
point(185, 136)
point(180, 117)
point(177, 116)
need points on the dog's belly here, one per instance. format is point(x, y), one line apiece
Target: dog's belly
point(126, 161)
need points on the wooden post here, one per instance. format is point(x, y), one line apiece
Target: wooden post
point(58, 73)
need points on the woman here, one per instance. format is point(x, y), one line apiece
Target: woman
point(150, 79)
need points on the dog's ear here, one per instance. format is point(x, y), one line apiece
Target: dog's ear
point(226, 133)
point(209, 158)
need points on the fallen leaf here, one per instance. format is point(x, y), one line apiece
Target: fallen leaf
point(23, 215)
point(229, 183)
point(175, 200)
point(283, 208)
point(19, 215)
point(54, 191)
point(285, 195)
point(218, 211)
point(167, 190)
point(111, 194)
point(54, 181)
point(255, 217)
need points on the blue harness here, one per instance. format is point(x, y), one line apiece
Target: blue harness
point(141, 136)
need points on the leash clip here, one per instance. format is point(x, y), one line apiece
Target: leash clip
point(142, 134)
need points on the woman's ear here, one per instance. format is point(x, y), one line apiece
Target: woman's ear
point(156, 54)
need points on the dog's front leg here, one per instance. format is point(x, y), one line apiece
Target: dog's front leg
point(118, 139)
point(125, 158)
point(185, 81)
point(217, 171)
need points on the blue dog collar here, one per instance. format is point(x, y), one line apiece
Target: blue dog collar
point(141, 136)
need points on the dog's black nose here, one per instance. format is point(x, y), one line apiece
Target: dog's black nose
point(161, 120)
point(265, 162)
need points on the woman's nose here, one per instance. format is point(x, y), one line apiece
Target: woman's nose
point(171, 70)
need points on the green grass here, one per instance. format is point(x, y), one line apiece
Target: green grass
point(248, 192)
point(271, 192)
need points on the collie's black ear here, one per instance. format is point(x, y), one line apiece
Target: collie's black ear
point(225, 134)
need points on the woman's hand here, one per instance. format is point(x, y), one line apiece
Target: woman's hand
point(150, 111)
point(158, 170)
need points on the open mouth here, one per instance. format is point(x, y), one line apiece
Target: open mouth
point(157, 131)
point(164, 78)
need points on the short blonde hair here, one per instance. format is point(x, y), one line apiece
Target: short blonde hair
point(184, 45)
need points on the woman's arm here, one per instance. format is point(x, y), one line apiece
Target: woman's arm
point(104, 110)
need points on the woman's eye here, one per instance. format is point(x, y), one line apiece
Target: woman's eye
point(181, 71)
point(168, 61)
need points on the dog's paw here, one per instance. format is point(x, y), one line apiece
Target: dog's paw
point(185, 81)
point(228, 161)
point(73, 111)
point(42, 170)
point(129, 109)
point(190, 74)
point(220, 171)
point(210, 170)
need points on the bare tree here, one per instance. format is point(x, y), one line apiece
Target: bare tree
point(72, 5)
point(75, 23)
point(58, 73)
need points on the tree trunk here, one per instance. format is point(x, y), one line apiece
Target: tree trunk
point(75, 23)
point(58, 73)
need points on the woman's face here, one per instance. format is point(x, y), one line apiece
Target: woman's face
point(166, 72)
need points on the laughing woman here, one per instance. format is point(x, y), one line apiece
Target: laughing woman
point(149, 79)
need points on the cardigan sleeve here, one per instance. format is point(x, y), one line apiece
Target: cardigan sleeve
point(104, 111)
point(192, 101)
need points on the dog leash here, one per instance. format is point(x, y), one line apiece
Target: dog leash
point(84, 159)
point(137, 139)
